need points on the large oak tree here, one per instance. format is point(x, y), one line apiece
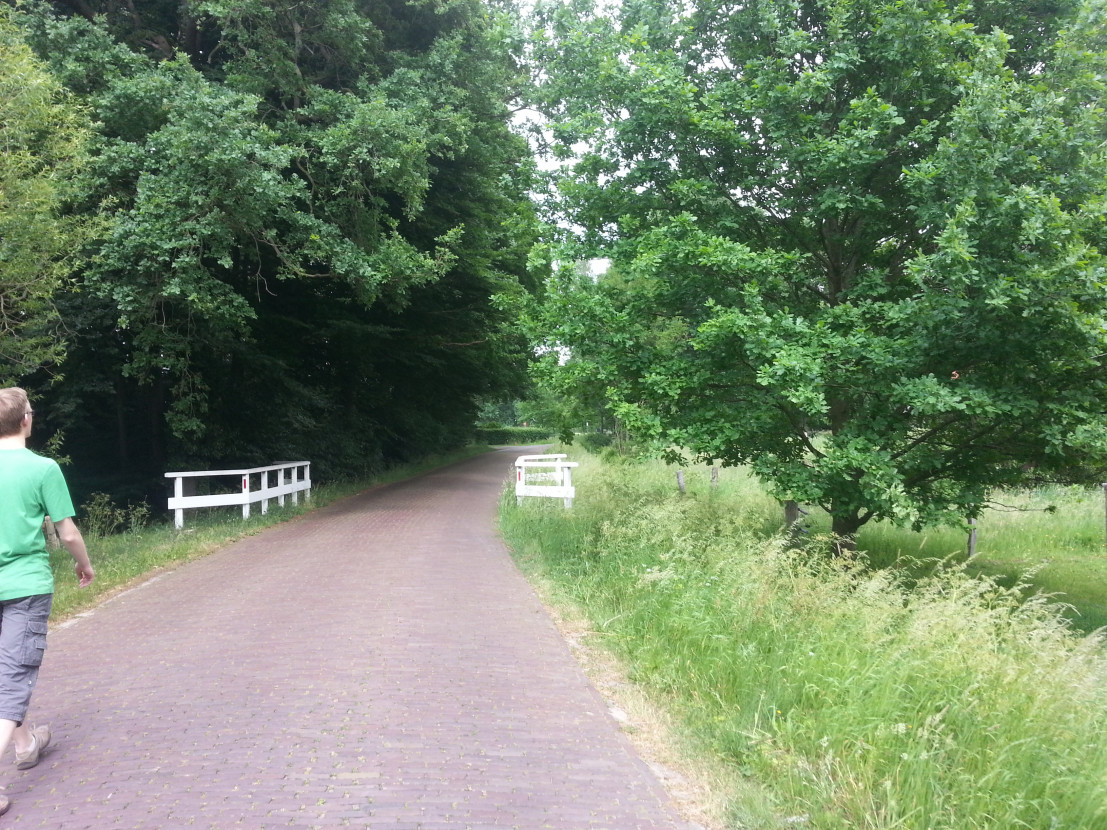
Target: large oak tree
point(855, 243)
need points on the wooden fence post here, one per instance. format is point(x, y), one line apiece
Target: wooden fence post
point(51, 534)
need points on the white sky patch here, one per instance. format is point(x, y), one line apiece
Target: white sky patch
point(597, 268)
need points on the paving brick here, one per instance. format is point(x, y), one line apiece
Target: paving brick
point(379, 663)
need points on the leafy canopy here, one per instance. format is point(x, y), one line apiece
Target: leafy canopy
point(855, 243)
point(42, 136)
point(310, 208)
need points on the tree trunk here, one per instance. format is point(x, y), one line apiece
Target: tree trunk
point(791, 514)
point(844, 528)
point(123, 457)
point(156, 409)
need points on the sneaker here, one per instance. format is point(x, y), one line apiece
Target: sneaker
point(41, 737)
point(5, 803)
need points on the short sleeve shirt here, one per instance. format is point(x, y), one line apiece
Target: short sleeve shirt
point(31, 488)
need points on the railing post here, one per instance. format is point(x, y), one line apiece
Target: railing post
point(567, 481)
point(178, 492)
point(246, 496)
point(264, 488)
point(280, 485)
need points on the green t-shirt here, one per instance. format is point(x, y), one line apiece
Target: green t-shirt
point(31, 487)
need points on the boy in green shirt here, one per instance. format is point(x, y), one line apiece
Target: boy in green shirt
point(31, 488)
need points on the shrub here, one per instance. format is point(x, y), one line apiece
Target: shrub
point(103, 517)
point(513, 435)
point(595, 441)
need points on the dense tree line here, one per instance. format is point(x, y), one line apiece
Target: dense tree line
point(311, 228)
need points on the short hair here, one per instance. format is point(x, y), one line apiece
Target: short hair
point(13, 406)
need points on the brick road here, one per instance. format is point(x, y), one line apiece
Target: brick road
point(379, 663)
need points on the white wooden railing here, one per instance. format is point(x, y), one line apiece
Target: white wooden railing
point(555, 473)
point(290, 479)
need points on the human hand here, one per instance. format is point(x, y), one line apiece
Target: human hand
point(85, 574)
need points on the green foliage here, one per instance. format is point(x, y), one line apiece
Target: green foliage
point(493, 413)
point(41, 147)
point(512, 435)
point(102, 517)
point(595, 441)
point(840, 695)
point(319, 230)
point(857, 245)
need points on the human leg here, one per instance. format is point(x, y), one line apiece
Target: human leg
point(22, 644)
point(19, 735)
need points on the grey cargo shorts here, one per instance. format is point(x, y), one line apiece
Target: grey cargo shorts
point(22, 644)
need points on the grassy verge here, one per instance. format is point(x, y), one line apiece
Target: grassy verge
point(837, 697)
point(125, 558)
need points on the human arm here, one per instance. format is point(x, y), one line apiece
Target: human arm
point(74, 542)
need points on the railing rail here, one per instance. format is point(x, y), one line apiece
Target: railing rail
point(291, 479)
point(553, 470)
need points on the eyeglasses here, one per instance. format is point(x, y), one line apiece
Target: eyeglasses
point(29, 412)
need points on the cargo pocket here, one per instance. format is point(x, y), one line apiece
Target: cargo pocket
point(34, 643)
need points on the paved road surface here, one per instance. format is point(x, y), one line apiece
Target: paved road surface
point(380, 663)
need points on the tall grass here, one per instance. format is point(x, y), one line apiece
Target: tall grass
point(854, 699)
point(1052, 538)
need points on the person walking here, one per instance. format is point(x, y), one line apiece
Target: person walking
point(32, 487)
